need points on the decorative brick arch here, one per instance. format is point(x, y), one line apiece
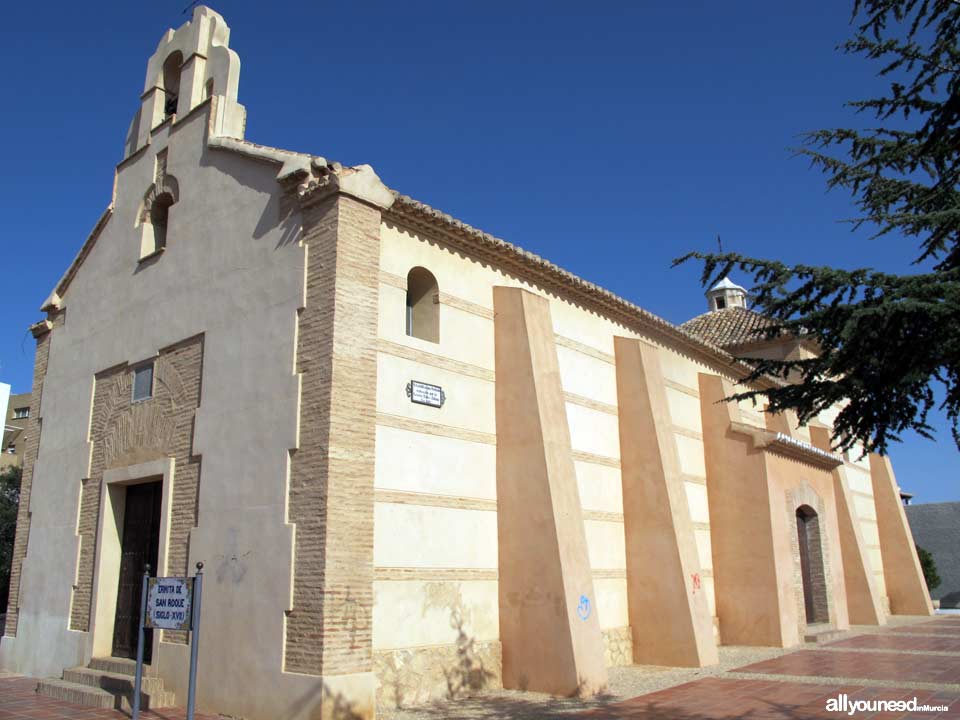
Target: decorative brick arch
point(804, 497)
point(153, 216)
point(165, 185)
point(132, 432)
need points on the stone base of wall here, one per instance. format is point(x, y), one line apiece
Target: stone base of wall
point(617, 646)
point(414, 676)
point(417, 675)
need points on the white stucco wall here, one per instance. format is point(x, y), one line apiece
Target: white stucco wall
point(455, 456)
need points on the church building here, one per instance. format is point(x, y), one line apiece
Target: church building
point(415, 460)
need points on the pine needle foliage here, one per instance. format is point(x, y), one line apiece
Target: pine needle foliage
point(9, 502)
point(885, 340)
point(929, 567)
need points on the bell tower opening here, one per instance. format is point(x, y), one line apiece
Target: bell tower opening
point(171, 83)
point(190, 65)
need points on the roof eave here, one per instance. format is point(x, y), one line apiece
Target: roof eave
point(411, 211)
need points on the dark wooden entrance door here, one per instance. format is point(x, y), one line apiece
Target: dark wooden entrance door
point(803, 536)
point(139, 546)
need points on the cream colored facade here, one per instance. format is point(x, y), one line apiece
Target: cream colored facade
point(15, 421)
point(579, 500)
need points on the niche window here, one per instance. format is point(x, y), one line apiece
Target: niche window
point(423, 305)
point(143, 382)
point(155, 216)
point(159, 215)
point(21, 413)
point(721, 303)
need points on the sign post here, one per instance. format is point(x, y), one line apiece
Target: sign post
point(194, 641)
point(170, 603)
point(138, 678)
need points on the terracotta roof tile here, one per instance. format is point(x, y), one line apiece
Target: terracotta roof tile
point(728, 328)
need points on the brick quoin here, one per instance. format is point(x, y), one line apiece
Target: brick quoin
point(43, 334)
point(329, 629)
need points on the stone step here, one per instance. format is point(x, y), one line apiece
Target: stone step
point(148, 701)
point(121, 666)
point(822, 633)
point(112, 682)
point(101, 689)
point(76, 694)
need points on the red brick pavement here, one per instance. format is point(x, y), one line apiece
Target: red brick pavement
point(718, 698)
point(940, 643)
point(712, 698)
point(952, 630)
point(873, 666)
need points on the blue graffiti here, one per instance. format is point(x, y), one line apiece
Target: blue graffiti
point(583, 609)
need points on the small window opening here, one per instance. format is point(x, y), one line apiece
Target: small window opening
point(171, 83)
point(423, 305)
point(143, 382)
point(721, 303)
point(159, 216)
point(21, 413)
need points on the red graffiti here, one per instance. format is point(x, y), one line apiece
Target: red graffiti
point(695, 578)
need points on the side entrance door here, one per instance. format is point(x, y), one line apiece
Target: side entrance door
point(803, 533)
point(140, 544)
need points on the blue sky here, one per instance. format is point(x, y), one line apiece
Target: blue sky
point(609, 137)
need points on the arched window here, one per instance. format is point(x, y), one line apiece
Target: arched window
point(154, 217)
point(171, 83)
point(159, 214)
point(423, 305)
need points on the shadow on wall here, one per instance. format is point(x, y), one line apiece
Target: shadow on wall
point(278, 212)
point(469, 675)
point(950, 600)
point(335, 706)
point(410, 678)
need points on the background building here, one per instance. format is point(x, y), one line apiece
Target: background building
point(17, 415)
point(936, 528)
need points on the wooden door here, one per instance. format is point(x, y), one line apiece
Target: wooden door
point(803, 536)
point(139, 546)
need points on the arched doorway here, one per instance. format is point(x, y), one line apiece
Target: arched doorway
point(811, 566)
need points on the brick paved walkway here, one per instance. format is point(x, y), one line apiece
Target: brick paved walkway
point(920, 661)
point(934, 628)
point(797, 686)
point(722, 699)
point(872, 666)
point(927, 643)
